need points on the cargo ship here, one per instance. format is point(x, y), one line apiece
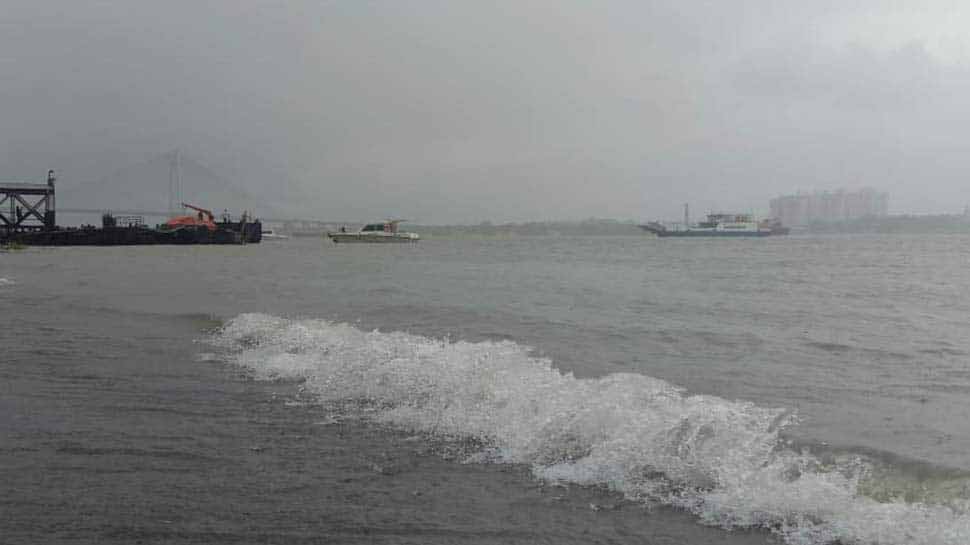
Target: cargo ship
point(719, 225)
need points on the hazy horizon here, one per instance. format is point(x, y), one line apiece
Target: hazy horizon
point(502, 111)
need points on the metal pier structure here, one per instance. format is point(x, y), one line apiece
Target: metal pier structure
point(28, 207)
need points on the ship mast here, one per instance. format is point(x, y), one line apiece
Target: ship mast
point(174, 182)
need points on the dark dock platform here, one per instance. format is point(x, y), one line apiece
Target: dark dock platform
point(113, 235)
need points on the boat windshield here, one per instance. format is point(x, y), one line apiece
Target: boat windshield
point(373, 227)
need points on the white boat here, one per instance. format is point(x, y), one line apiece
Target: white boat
point(269, 234)
point(386, 231)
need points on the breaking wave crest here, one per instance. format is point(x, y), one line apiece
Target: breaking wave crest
point(6, 282)
point(722, 460)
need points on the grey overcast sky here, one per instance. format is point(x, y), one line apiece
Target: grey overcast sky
point(455, 111)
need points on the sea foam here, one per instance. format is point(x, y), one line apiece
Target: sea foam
point(643, 437)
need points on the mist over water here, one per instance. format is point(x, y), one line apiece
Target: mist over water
point(564, 389)
point(458, 113)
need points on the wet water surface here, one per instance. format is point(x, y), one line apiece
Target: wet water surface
point(536, 390)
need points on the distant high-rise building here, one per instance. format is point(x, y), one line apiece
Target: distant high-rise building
point(838, 205)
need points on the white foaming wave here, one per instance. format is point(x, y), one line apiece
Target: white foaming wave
point(638, 435)
point(6, 282)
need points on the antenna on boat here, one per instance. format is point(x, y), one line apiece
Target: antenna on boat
point(686, 216)
point(171, 188)
point(178, 174)
point(174, 182)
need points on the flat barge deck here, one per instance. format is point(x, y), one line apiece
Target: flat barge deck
point(113, 235)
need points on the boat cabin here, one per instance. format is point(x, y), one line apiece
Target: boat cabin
point(730, 221)
point(384, 227)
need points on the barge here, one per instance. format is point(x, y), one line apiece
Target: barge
point(112, 234)
point(28, 217)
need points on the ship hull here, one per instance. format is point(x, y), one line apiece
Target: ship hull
point(691, 233)
point(353, 238)
point(718, 234)
point(225, 233)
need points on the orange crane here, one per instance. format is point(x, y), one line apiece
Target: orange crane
point(204, 218)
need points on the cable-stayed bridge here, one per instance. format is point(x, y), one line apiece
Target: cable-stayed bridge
point(164, 214)
point(156, 187)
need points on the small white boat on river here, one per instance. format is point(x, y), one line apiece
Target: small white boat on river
point(386, 231)
point(269, 234)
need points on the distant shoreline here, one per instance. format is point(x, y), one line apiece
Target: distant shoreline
point(894, 224)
